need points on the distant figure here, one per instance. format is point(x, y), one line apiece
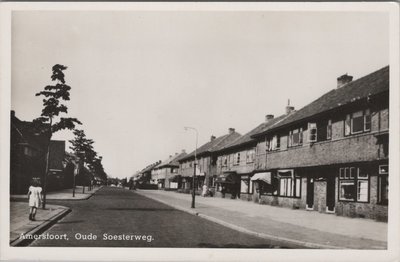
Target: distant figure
point(205, 190)
point(35, 197)
point(223, 191)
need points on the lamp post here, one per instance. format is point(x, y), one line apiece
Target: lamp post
point(195, 163)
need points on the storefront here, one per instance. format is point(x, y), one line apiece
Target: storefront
point(228, 185)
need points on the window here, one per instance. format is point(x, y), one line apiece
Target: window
point(224, 160)
point(274, 143)
point(312, 132)
point(250, 155)
point(237, 159)
point(358, 122)
point(244, 185)
point(329, 130)
point(289, 185)
point(296, 137)
point(383, 185)
point(353, 184)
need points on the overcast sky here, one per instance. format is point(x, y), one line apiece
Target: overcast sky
point(138, 78)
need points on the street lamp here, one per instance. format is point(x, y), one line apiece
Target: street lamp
point(195, 163)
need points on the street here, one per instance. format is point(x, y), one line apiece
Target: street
point(116, 217)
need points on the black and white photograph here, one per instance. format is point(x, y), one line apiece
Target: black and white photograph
point(200, 131)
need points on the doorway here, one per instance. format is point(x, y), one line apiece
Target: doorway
point(330, 194)
point(310, 193)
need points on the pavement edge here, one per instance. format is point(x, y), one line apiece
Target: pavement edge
point(40, 228)
point(288, 241)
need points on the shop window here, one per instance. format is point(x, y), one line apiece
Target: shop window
point(383, 185)
point(250, 155)
point(353, 184)
point(289, 186)
point(244, 186)
point(358, 122)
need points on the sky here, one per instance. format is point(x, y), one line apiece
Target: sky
point(139, 77)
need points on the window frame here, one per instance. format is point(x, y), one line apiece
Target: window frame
point(366, 122)
point(312, 126)
point(355, 181)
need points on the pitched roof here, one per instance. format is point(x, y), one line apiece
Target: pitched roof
point(213, 145)
point(372, 84)
point(172, 160)
point(247, 138)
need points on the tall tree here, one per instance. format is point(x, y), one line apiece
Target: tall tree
point(53, 106)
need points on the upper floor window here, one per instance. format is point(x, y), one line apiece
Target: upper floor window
point(357, 122)
point(329, 130)
point(237, 159)
point(312, 132)
point(250, 156)
point(296, 137)
point(274, 143)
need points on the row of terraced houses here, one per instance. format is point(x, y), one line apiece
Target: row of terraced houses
point(330, 156)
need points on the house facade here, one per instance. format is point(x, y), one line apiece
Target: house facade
point(331, 156)
point(206, 159)
point(166, 173)
point(235, 164)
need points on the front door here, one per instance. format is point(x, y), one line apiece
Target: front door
point(310, 192)
point(330, 193)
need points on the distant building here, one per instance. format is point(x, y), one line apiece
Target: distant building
point(235, 163)
point(166, 173)
point(206, 162)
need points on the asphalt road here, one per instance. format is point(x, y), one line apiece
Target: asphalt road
point(121, 218)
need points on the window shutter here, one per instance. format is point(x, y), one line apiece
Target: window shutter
point(367, 120)
point(312, 132)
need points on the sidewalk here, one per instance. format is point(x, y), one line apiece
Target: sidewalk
point(65, 194)
point(296, 228)
point(20, 223)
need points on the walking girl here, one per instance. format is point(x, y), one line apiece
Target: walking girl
point(35, 197)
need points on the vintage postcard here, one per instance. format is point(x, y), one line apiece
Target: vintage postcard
point(200, 131)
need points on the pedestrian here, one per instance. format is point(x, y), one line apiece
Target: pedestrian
point(35, 197)
point(205, 189)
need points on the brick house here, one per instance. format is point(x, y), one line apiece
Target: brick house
point(166, 173)
point(206, 162)
point(235, 163)
point(27, 154)
point(28, 147)
point(331, 156)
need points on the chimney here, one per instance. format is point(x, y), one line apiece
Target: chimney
point(170, 156)
point(176, 153)
point(289, 109)
point(212, 138)
point(269, 117)
point(343, 80)
point(231, 130)
point(183, 151)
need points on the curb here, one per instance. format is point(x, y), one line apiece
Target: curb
point(40, 228)
point(288, 241)
point(73, 199)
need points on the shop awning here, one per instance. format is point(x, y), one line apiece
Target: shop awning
point(227, 177)
point(285, 172)
point(265, 177)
